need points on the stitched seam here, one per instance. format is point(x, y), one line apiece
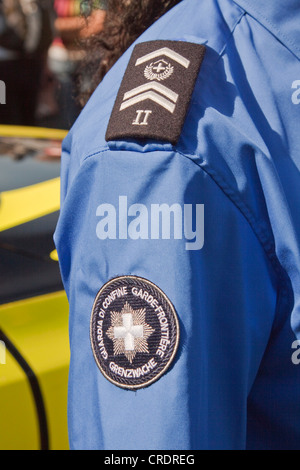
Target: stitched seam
point(230, 35)
point(102, 150)
point(275, 28)
point(261, 235)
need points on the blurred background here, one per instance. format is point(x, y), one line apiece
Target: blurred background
point(40, 54)
point(40, 57)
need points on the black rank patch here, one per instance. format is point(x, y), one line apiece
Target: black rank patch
point(134, 332)
point(155, 93)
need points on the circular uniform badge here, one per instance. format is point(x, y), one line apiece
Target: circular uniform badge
point(134, 332)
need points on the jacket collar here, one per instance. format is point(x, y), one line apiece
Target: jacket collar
point(280, 17)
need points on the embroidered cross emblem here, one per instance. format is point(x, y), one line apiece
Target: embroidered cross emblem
point(128, 331)
point(160, 67)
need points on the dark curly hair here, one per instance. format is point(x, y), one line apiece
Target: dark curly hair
point(125, 21)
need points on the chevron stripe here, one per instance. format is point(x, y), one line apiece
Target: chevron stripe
point(152, 86)
point(149, 95)
point(166, 52)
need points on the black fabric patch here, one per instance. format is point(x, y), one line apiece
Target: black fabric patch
point(155, 93)
point(134, 332)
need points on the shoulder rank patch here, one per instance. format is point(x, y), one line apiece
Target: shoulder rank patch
point(134, 332)
point(155, 93)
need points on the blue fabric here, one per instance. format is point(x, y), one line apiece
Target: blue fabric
point(233, 384)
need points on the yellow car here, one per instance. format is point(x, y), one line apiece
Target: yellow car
point(34, 350)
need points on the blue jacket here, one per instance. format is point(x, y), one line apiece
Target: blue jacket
point(206, 230)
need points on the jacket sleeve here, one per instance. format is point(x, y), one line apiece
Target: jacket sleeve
point(160, 217)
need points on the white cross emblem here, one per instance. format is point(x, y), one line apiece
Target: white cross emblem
point(160, 67)
point(128, 331)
